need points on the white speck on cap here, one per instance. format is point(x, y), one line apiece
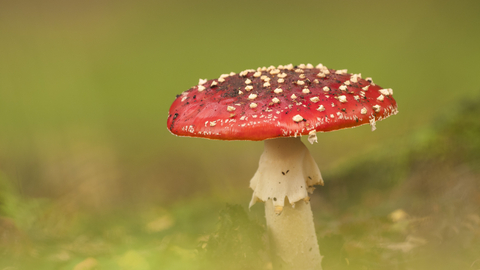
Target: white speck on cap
point(301, 66)
point(252, 96)
point(321, 75)
point(293, 96)
point(253, 105)
point(274, 71)
point(376, 108)
point(282, 75)
point(184, 98)
point(354, 78)
point(369, 79)
point(326, 88)
point(356, 97)
point(278, 90)
point(281, 80)
point(243, 73)
point(365, 88)
point(297, 118)
point(232, 73)
point(314, 99)
point(316, 81)
point(381, 98)
point(230, 108)
point(372, 123)
point(214, 83)
point(213, 123)
point(299, 70)
point(289, 66)
point(347, 82)
point(275, 100)
point(363, 111)
point(240, 92)
point(248, 87)
point(301, 76)
point(309, 65)
point(202, 81)
point(312, 136)
point(248, 81)
point(221, 79)
point(341, 71)
point(343, 87)
point(306, 90)
point(319, 66)
point(201, 88)
point(257, 74)
point(300, 82)
point(362, 93)
point(266, 84)
point(342, 99)
point(321, 108)
point(386, 92)
point(332, 116)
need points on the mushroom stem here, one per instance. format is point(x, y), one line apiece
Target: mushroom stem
point(292, 237)
point(286, 174)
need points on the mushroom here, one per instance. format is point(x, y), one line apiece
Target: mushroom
point(287, 173)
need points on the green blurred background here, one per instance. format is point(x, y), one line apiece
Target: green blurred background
point(90, 177)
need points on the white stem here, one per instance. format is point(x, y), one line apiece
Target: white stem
point(292, 237)
point(287, 173)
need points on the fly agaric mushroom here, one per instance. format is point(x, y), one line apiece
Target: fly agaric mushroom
point(279, 105)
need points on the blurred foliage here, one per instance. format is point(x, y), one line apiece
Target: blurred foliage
point(237, 239)
point(85, 86)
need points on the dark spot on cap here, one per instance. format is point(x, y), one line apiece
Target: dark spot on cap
point(173, 120)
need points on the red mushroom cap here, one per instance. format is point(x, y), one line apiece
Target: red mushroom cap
point(282, 101)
